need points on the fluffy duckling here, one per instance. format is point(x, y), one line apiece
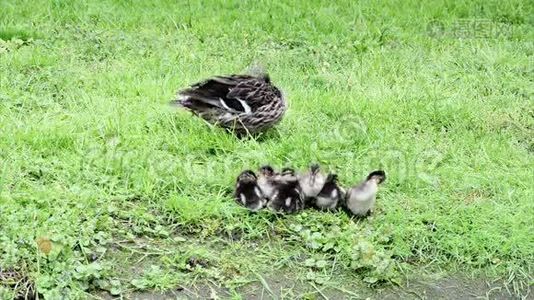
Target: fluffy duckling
point(287, 175)
point(330, 195)
point(287, 196)
point(240, 103)
point(247, 191)
point(266, 181)
point(360, 199)
point(312, 182)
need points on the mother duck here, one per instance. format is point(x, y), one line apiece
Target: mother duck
point(244, 104)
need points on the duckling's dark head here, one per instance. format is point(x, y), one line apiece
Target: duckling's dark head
point(315, 168)
point(377, 175)
point(288, 171)
point(267, 171)
point(288, 175)
point(247, 176)
point(331, 178)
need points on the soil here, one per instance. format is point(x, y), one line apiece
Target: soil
point(281, 287)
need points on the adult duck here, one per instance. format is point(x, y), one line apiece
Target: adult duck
point(244, 104)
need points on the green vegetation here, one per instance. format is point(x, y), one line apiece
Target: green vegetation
point(104, 187)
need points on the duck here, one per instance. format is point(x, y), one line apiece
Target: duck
point(288, 175)
point(312, 182)
point(330, 195)
point(248, 193)
point(243, 104)
point(266, 180)
point(361, 198)
point(287, 197)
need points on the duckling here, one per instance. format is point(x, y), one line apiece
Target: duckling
point(287, 197)
point(287, 175)
point(266, 181)
point(247, 191)
point(330, 195)
point(312, 182)
point(243, 104)
point(360, 199)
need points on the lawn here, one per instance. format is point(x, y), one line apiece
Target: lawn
point(106, 190)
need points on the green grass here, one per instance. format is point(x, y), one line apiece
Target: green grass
point(129, 191)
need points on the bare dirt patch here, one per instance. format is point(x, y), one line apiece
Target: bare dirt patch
point(284, 287)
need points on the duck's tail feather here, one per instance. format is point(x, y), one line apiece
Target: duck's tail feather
point(207, 94)
point(192, 103)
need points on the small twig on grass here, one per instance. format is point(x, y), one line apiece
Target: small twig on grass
point(344, 291)
point(488, 293)
point(265, 284)
point(319, 291)
point(416, 294)
point(195, 294)
point(430, 263)
point(333, 266)
point(142, 258)
point(146, 253)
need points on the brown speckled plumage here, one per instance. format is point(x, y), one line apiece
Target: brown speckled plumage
point(240, 103)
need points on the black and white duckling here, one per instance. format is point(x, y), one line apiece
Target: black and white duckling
point(287, 175)
point(247, 191)
point(287, 197)
point(240, 103)
point(360, 199)
point(266, 181)
point(330, 195)
point(312, 182)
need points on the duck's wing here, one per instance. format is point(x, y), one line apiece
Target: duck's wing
point(236, 94)
point(255, 92)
